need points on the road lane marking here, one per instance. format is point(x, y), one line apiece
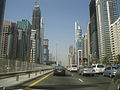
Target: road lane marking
point(41, 79)
point(80, 80)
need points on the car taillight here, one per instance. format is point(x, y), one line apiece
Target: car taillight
point(93, 70)
point(55, 70)
point(114, 70)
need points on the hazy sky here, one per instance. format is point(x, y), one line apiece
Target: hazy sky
point(59, 17)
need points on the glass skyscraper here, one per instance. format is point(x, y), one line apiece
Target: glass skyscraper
point(24, 27)
point(93, 31)
point(78, 43)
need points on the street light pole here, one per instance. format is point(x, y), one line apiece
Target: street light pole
point(56, 55)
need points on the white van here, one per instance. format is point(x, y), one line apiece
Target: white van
point(73, 67)
point(99, 68)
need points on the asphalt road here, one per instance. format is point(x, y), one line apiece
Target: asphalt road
point(71, 81)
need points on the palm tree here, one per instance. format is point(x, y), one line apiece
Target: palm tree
point(118, 58)
point(105, 60)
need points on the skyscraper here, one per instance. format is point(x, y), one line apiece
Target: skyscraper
point(2, 10)
point(93, 31)
point(107, 13)
point(42, 39)
point(85, 46)
point(36, 22)
point(71, 59)
point(88, 42)
point(115, 38)
point(119, 6)
point(24, 39)
point(78, 43)
point(33, 46)
point(9, 40)
point(46, 50)
point(21, 45)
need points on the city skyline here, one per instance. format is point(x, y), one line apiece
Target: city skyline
point(40, 40)
point(54, 14)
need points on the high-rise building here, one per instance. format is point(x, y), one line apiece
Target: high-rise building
point(2, 10)
point(115, 38)
point(119, 6)
point(9, 40)
point(50, 56)
point(33, 46)
point(25, 26)
point(71, 58)
point(36, 22)
point(46, 50)
point(107, 13)
point(21, 45)
point(93, 31)
point(85, 47)
point(88, 42)
point(42, 39)
point(78, 43)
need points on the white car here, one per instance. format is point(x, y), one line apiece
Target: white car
point(73, 67)
point(99, 68)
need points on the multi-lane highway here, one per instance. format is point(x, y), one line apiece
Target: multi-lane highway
point(71, 81)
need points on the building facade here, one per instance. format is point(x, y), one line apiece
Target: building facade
point(88, 42)
point(33, 46)
point(107, 13)
point(46, 50)
point(42, 39)
point(9, 40)
point(115, 38)
point(71, 58)
point(85, 47)
point(2, 10)
point(21, 45)
point(93, 31)
point(24, 29)
point(78, 44)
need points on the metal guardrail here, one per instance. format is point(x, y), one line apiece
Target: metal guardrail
point(17, 74)
point(16, 78)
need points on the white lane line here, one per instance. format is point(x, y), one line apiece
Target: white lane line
point(80, 80)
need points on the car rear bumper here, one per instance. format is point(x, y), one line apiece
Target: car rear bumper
point(73, 70)
point(88, 73)
point(99, 72)
point(59, 73)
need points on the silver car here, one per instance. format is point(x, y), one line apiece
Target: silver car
point(110, 71)
point(86, 70)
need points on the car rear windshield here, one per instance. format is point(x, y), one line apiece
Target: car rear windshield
point(59, 67)
point(88, 67)
point(74, 65)
point(114, 67)
point(100, 66)
point(93, 66)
